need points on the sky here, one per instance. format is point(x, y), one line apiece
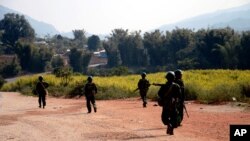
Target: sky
point(103, 16)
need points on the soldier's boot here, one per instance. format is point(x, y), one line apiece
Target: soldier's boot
point(39, 106)
point(168, 131)
point(89, 110)
point(95, 109)
point(144, 104)
point(171, 130)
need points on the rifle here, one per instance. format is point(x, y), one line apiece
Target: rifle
point(157, 84)
point(136, 90)
point(184, 106)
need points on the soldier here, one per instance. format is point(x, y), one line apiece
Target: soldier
point(90, 90)
point(143, 86)
point(169, 94)
point(41, 91)
point(179, 81)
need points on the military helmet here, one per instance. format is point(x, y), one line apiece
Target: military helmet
point(40, 78)
point(170, 76)
point(143, 74)
point(178, 72)
point(90, 78)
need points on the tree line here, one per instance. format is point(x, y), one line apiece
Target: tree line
point(181, 48)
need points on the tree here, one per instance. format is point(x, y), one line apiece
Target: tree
point(79, 60)
point(33, 58)
point(114, 58)
point(80, 38)
point(94, 43)
point(65, 73)
point(153, 42)
point(244, 56)
point(136, 54)
point(10, 69)
point(57, 62)
point(15, 27)
point(218, 48)
point(24, 52)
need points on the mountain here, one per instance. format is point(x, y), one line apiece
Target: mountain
point(41, 28)
point(237, 18)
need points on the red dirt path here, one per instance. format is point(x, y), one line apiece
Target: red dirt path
point(67, 120)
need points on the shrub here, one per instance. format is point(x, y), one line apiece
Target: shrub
point(245, 90)
point(191, 92)
point(206, 86)
point(2, 81)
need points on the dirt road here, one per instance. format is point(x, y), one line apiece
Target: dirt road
point(67, 120)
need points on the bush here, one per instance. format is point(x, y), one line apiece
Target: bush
point(2, 81)
point(206, 86)
point(76, 91)
point(245, 90)
point(191, 92)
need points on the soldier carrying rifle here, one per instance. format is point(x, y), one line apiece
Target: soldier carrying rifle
point(169, 94)
point(143, 86)
point(178, 80)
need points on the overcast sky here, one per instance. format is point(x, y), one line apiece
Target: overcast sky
point(102, 16)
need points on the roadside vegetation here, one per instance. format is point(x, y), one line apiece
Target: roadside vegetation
point(205, 86)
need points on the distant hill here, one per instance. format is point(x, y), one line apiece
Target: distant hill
point(41, 28)
point(237, 18)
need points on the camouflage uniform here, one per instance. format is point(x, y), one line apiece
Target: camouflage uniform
point(41, 91)
point(179, 81)
point(169, 93)
point(90, 90)
point(143, 86)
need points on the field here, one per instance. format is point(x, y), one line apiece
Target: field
point(205, 86)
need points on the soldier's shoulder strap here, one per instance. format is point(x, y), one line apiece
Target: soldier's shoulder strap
point(169, 90)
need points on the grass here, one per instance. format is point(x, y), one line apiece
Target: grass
point(206, 86)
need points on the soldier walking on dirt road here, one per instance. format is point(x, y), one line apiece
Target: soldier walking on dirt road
point(41, 91)
point(178, 80)
point(143, 86)
point(90, 90)
point(169, 94)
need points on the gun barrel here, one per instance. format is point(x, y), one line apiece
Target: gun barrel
point(157, 84)
point(185, 110)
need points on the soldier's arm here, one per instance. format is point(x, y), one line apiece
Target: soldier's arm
point(139, 84)
point(45, 84)
point(157, 84)
point(148, 83)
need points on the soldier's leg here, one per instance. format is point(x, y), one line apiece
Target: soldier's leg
point(144, 99)
point(174, 119)
point(88, 104)
point(44, 100)
point(164, 116)
point(93, 103)
point(166, 121)
point(40, 100)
